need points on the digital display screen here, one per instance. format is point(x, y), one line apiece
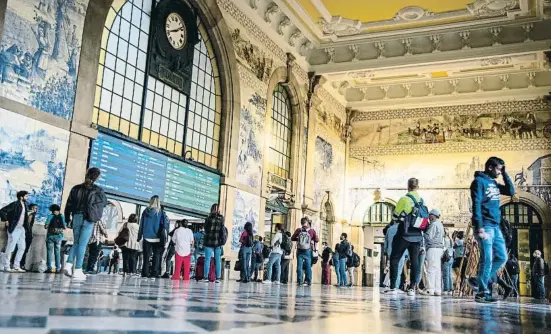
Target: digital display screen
point(130, 170)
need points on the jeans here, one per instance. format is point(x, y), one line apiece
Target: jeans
point(53, 245)
point(129, 257)
point(149, 249)
point(15, 238)
point(351, 274)
point(82, 230)
point(93, 253)
point(325, 273)
point(400, 270)
point(304, 256)
point(420, 268)
point(338, 272)
point(182, 262)
point(209, 252)
point(493, 255)
point(284, 270)
point(540, 287)
point(246, 253)
point(434, 270)
point(447, 276)
point(514, 280)
point(399, 246)
point(275, 259)
point(342, 270)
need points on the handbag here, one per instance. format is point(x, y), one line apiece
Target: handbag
point(123, 236)
point(161, 233)
point(237, 266)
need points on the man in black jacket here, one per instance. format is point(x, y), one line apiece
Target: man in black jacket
point(15, 215)
point(83, 209)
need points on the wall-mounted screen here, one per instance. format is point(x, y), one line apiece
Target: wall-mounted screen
point(131, 170)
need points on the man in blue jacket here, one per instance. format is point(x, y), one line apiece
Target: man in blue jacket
point(486, 194)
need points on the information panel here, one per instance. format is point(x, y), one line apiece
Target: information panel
point(130, 170)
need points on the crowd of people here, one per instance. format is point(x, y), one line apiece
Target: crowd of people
point(421, 256)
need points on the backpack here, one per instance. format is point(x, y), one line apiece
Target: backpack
point(56, 225)
point(545, 268)
point(355, 260)
point(446, 256)
point(224, 235)
point(286, 244)
point(123, 237)
point(419, 216)
point(304, 240)
point(249, 242)
point(96, 203)
point(115, 255)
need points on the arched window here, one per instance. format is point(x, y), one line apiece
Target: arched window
point(520, 214)
point(379, 213)
point(280, 144)
point(130, 101)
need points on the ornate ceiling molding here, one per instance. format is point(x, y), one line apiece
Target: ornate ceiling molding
point(340, 26)
point(491, 8)
point(412, 13)
point(452, 147)
point(247, 78)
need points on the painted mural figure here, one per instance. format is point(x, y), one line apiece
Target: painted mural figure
point(73, 46)
point(40, 58)
point(9, 58)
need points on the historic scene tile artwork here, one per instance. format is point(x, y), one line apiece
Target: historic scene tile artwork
point(246, 209)
point(40, 53)
point(33, 158)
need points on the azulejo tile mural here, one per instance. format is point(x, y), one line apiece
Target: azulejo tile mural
point(328, 174)
point(33, 157)
point(246, 209)
point(40, 53)
point(251, 140)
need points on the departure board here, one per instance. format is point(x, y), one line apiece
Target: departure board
point(130, 170)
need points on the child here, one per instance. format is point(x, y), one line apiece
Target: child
point(55, 224)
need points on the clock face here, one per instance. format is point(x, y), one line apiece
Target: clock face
point(176, 31)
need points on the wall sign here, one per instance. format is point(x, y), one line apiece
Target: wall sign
point(133, 171)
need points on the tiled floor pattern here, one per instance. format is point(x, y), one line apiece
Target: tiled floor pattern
point(40, 303)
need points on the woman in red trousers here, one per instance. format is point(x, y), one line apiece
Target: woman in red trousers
point(183, 243)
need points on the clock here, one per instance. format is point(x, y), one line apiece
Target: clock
point(176, 31)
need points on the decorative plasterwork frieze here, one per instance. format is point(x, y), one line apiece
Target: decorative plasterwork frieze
point(255, 32)
point(469, 109)
point(412, 13)
point(340, 26)
point(491, 8)
point(247, 78)
point(333, 103)
point(452, 147)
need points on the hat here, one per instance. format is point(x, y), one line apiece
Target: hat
point(435, 212)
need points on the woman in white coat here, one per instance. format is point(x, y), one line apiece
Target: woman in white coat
point(131, 248)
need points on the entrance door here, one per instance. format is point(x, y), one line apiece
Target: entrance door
point(527, 237)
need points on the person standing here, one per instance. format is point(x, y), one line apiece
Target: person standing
point(246, 252)
point(153, 229)
point(55, 225)
point(486, 195)
point(215, 238)
point(275, 256)
point(447, 265)
point(538, 273)
point(389, 238)
point(83, 209)
point(33, 210)
point(345, 251)
point(434, 242)
point(15, 216)
point(97, 239)
point(513, 270)
point(286, 246)
point(306, 239)
point(114, 261)
point(183, 243)
point(407, 237)
point(325, 264)
point(352, 263)
point(131, 248)
point(459, 254)
point(258, 258)
point(199, 237)
point(336, 264)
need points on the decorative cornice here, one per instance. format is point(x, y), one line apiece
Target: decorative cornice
point(469, 109)
point(334, 104)
point(247, 78)
point(256, 32)
point(453, 147)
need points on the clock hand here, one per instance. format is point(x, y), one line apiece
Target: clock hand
point(175, 30)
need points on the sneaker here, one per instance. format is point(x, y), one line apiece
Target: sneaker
point(18, 270)
point(484, 298)
point(424, 292)
point(437, 294)
point(78, 275)
point(305, 284)
point(400, 291)
point(277, 283)
point(204, 280)
point(411, 293)
point(473, 283)
point(50, 271)
point(68, 269)
point(217, 281)
point(390, 292)
point(152, 279)
point(166, 275)
point(267, 282)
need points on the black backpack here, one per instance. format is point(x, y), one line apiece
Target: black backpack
point(266, 251)
point(286, 244)
point(56, 225)
point(355, 260)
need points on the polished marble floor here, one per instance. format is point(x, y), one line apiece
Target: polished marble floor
point(41, 303)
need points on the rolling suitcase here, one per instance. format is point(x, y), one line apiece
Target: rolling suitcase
point(200, 269)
